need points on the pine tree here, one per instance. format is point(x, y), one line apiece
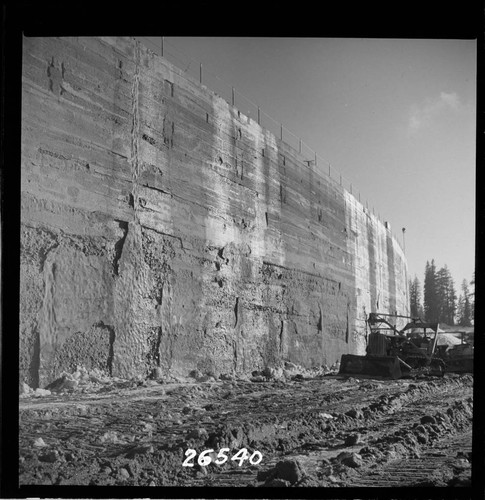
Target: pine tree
point(472, 298)
point(451, 301)
point(431, 307)
point(441, 278)
point(464, 309)
point(415, 298)
point(446, 296)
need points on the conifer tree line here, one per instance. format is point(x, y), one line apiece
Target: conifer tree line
point(440, 303)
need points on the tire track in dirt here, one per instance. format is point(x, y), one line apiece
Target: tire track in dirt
point(436, 467)
point(147, 432)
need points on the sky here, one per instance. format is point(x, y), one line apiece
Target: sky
point(395, 117)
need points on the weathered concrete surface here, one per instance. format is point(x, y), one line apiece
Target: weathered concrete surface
point(161, 227)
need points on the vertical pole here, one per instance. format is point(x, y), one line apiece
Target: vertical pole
point(403, 240)
point(299, 147)
point(340, 179)
point(200, 72)
point(281, 131)
point(233, 96)
point(315, 158)
point(163, 39)
point(259, 115)
point(359, 196)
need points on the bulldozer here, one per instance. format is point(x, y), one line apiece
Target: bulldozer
point(457, 356)
point(396, 353)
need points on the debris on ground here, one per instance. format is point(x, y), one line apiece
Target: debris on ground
point(313, 430)
point(289, 471)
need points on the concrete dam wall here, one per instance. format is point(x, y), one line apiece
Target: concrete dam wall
point(162, 227)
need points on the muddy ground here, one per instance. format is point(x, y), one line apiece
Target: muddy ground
point(325, 430)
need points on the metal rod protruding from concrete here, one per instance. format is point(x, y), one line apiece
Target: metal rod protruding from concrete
point(259, 115)
point(281, 131)
point(233, 96)
point(200, 72)
point(403, 240)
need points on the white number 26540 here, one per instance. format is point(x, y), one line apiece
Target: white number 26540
point(206, 457)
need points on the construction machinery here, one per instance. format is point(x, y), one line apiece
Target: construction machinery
point(418, 347)
point(457, 354)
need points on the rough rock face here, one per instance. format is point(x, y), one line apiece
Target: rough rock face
point(163, 228)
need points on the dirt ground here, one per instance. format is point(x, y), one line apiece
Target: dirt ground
point(311, 430)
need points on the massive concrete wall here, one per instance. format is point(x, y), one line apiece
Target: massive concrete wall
point(161, 227)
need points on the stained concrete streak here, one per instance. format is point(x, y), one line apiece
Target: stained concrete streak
point(119, 246)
